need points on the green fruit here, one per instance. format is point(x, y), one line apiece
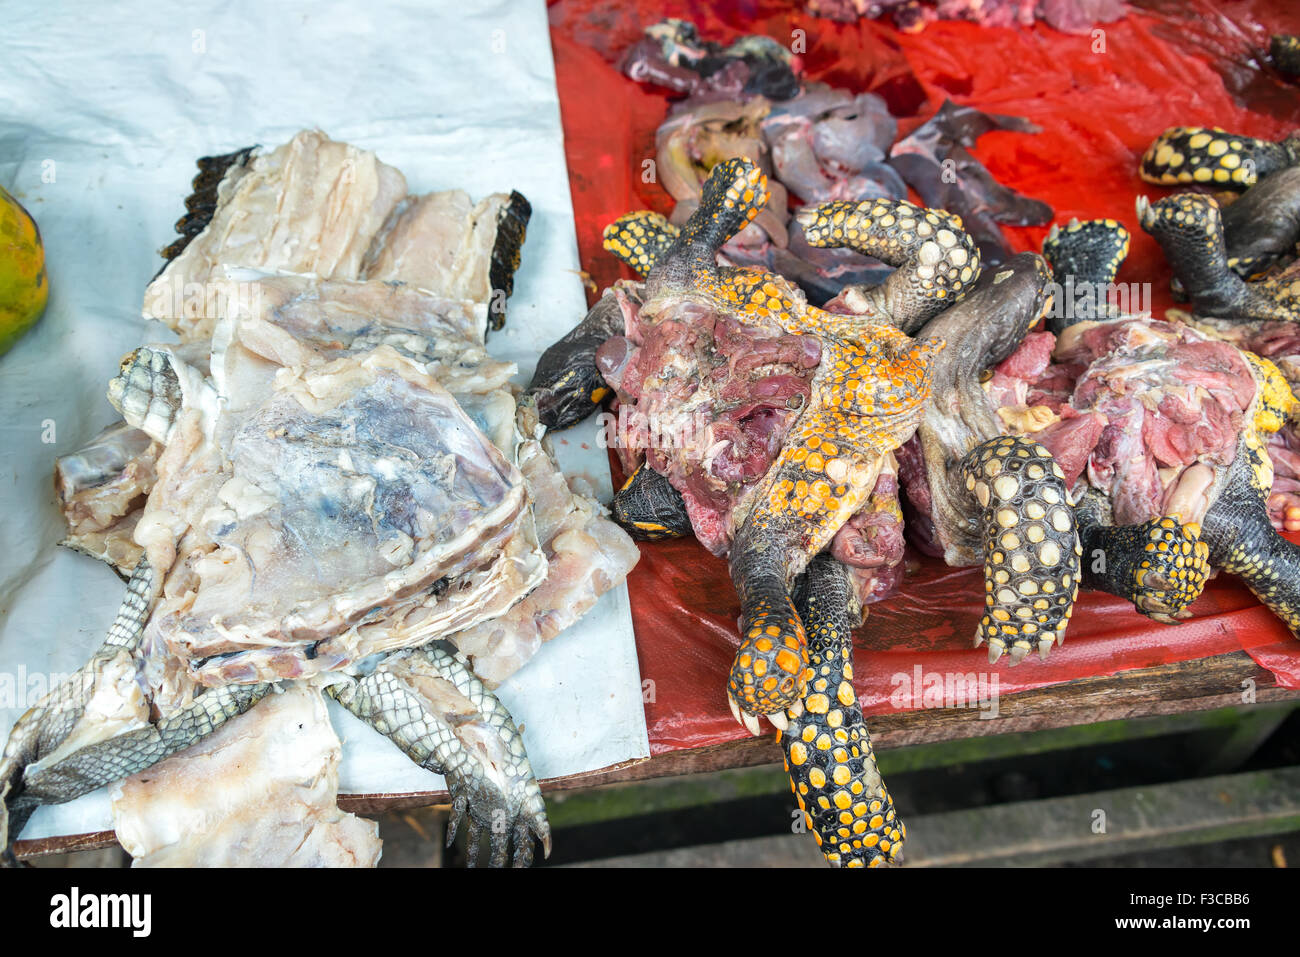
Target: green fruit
point(24, 287)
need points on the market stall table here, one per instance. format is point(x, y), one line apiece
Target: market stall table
point(1099, 101)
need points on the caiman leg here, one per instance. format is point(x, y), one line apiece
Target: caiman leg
point(439, 713)
point(1085, 258)
point(1091, 250)
point(1195, 154)
point(1189, 228)
point(1263, 226)
point(640, 239)
point(649, 508)
point(28, 779)
point(1242, 541)
point(1161, 566)
point(828, 752)
point(938, 261)
point(1031, 546)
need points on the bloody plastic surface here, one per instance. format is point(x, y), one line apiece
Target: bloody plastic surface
point(1165, 65)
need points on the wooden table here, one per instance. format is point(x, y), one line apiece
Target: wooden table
point(1186, 687)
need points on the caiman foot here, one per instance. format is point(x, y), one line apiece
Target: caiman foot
point(65, 746)
point(1031, 546)
point(1173, 570)
point(1161, 566)
point(435, 709)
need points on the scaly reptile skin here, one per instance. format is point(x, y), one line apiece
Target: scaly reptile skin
point(510, 806)
point(999, 500)
point(42, 729)
point(202, 202)
point(1267, 562)
point(1161, 566)
point(866, 396)
point(649, 508)
point(867, 392)
point(1243, 542)
point(1187, 155)
point(147, 391)
point(566, 385)
point(828, 753)
point(1089, 250)
point(1031, 547)
point(505, 800)
point(1189, 228)
point(1284, 51)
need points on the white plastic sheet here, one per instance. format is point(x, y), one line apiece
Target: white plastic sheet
point(103, 110)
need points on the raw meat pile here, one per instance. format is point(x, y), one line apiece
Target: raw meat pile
point(1138, 406)
point(1280, 342)
point(327, 468)
point(1069, 16)
point(816, 144)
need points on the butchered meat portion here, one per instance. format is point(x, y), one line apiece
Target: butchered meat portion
point(710, 400)
point(1071, 440)
point(344, 496)
point(586, 556)
point(294, 320)
point(260, 792)
point(444, 242)
point(1279, 342)
point(311, 206)
point(1171, 398)
point(102, 489)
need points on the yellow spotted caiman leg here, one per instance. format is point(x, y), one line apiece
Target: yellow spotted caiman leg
point(1090, 250)
point(640, 239)
point(1161, 566)
point(937, 260)
point(817, 486)
point(868, 397)
point(1243, 542)
point(1031, 546)
point(828, 752)
point(1189, 228)
point(1192, 155)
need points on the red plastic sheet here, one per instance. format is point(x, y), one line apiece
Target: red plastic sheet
point(1100, 100)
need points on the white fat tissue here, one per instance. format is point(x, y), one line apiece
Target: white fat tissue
point(258, 792)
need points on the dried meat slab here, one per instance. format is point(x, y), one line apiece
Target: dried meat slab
point(312, 205)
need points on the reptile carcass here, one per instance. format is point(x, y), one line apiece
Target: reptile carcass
point(330, 476)
point(1162, 434)
point(781, 421)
